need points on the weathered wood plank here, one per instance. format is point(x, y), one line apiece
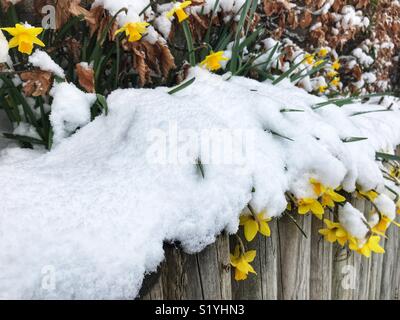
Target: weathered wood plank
point(395, 292)
point(344, 275)
point(269, 264)
point(265, 285)
point(181, 276)
point(388, 265)
point(251, 288)
point(361, 263)
point(214, 268)
point(321, 264)
point(294, 262)
point(375, 272)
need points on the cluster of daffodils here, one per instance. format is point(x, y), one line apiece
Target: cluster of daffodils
point(25, 36)
point(317, 72)
point(346, 226)
point(136, 30)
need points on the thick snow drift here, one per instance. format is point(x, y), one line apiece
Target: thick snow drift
point(89, 218)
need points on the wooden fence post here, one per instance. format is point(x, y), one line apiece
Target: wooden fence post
point(321, 264)
point(263, 286)
point(200, 276)
point(294, 262)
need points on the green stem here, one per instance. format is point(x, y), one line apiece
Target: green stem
point(189, 41)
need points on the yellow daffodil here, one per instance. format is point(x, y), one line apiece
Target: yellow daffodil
point(306, 205)
point(336, 65)
point(371, 195)
point(329, 198)
point(134, 30)
point(322, 89)
point(213, 61)
point(372, 245)
point(24, 37)
point(383, 225)
point(253, 225)
point(309, 58)
point(335, 82)
point(334, 232)
point(318, 187)
point(398, 207)
point(241, 262)
point(332, 73)
point(318, 63)
point(178, 9)
point(323, 52)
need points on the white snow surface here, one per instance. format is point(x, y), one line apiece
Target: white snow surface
point(43, 61)
point(98, 207)
point(3, 48)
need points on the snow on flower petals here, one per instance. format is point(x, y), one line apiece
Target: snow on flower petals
point(213, 61)
point(178, 9)
point(24, 37)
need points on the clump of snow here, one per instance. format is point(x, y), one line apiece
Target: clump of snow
point(97, 208)
point(42, 60)
point(3, 48)
point(70, 110)
point(134, 8)
point(386, 206)
point(353, 221)
point(362, 57)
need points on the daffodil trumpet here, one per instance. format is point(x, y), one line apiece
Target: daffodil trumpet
point(133, 30)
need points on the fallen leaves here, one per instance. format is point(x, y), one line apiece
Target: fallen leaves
point(85, 76)
point(150, 60)
point(36, 82)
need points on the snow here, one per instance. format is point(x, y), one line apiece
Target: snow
point(42, 60)
point(3, 48)
point(98, 207)
point(70, 110)
point(362, 57)
point(353, 221)
point(386, 206)
point(134, 7)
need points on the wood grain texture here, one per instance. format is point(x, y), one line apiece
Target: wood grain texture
point(321, 264)
point(294, 262)
point(264, 286)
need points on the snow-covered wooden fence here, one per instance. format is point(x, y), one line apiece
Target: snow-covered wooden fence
point(288, 266)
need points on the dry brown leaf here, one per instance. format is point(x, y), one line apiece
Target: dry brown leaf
point(36, 82)
point(7, 3)
point(141, 67)
point(85, 77)
point(167, 60)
